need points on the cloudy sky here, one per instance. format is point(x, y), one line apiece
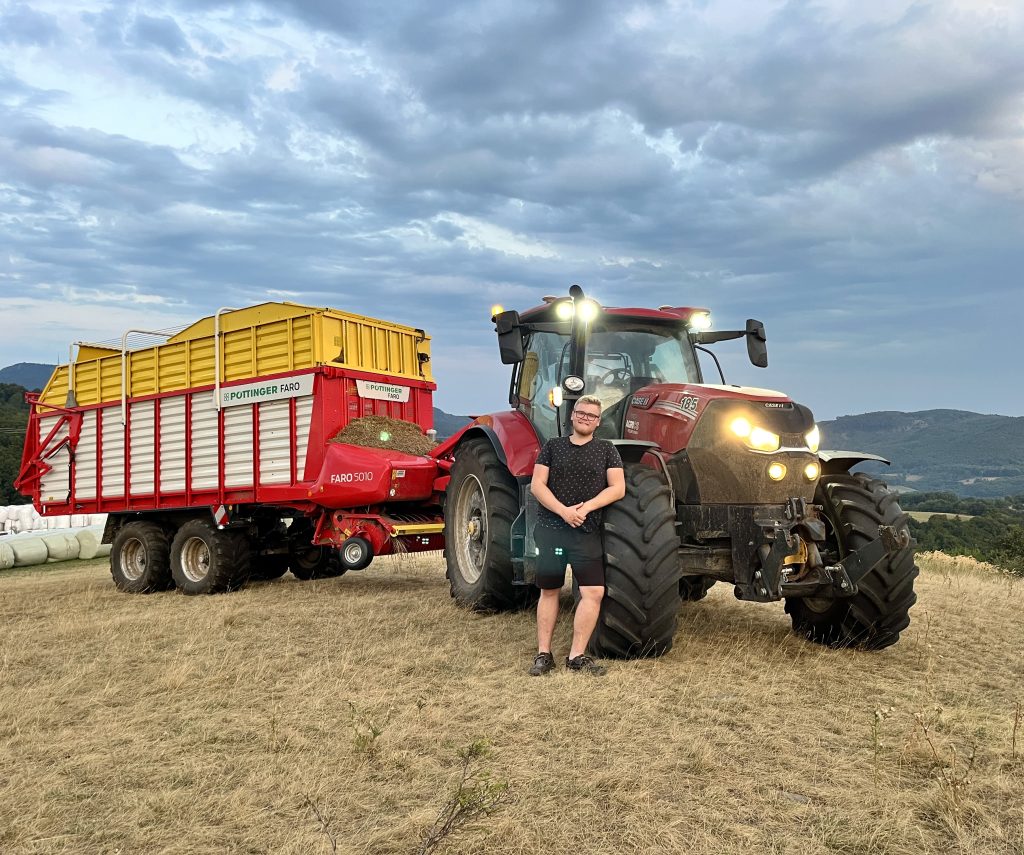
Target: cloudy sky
point(849, 171)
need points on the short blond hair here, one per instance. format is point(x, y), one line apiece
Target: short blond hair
point(593, 400)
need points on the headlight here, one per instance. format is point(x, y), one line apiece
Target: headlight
point(777, 471)
point(741, 427)
point(755, 437)
point(813, 437)
point(812, 471)
point(763, 440)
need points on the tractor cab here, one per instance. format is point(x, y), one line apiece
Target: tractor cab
point(571, 346)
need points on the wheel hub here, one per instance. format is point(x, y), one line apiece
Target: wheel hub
point(195, 559)
point(471, 512)
point(133, 559)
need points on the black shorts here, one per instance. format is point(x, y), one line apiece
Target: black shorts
point(555, 548)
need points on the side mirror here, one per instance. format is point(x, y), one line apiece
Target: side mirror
point(757, 349)
point(510, 340)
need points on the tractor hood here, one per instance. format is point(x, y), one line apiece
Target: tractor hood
point(729, 444)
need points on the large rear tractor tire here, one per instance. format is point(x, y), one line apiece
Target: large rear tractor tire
point(208, 560)
point(854, 507)
point(641, 601)
point(140, 558)
point(482, 502)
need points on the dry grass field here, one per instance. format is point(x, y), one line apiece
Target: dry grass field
point(924, 516)
point(329, 716)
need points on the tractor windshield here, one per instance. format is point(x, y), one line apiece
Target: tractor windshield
point(620, 359)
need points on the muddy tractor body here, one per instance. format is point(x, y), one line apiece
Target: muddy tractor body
point(724, 484)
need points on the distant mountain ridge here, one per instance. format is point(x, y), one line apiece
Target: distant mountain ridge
point(970, 454)
point(966, 453)
point(31, 375)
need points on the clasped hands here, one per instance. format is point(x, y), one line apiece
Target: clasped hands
point(575, 515)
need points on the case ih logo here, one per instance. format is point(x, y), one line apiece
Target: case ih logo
point(777, 405)
point(642, 401)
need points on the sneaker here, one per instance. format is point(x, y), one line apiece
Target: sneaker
point(585, 664)
point(542, 663)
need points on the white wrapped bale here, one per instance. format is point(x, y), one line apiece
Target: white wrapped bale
point(74, 547)
point(29, 551)
point(88, 543)
point(6, 556)
point(3, 514)
point(57, 548)
point(103, 550)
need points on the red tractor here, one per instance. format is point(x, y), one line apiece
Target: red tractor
point(724, 483)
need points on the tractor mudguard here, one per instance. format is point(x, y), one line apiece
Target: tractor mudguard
point(510, 434)
point(840, 462)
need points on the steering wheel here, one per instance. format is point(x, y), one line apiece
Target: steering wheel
point(616, 377)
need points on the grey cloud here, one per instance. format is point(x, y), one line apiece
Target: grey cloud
point(162, 32)
point(20, 24)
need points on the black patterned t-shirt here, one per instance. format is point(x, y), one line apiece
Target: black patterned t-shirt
point(576, 474)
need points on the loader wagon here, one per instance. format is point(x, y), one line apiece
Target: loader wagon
point(213, 451)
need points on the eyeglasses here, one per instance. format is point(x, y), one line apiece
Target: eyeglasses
point(586, 417)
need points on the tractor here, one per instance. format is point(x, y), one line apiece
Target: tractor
point(724, 483)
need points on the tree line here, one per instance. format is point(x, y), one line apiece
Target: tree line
point(989, 530)
point(13, 420)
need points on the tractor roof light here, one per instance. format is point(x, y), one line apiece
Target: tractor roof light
point(496, 310)
point(564, 310)
point(699, 321)
point(587, 311)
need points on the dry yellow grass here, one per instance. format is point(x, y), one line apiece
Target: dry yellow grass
point(146, 724)
point(924, 516)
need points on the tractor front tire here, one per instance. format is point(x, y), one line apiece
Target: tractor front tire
point(482, 502)
point(208, 560)
point(854, 507)
point(641, 601)
point(140, 558)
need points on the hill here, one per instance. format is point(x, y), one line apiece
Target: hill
point(288, 714)
point(31, 375)
point(13, 418)
point(446, 424)
point(933, 450)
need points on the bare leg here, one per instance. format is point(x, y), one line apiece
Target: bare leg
point(547, 616)
point(587, 612)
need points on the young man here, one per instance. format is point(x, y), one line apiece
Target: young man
point(574, 478)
